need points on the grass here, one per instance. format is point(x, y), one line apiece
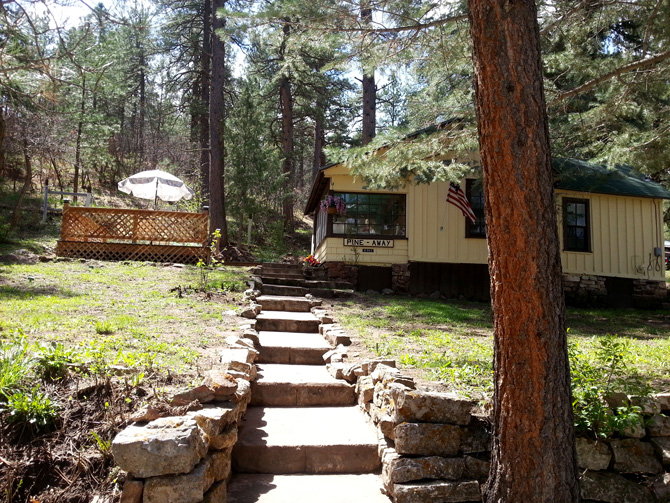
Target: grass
point(452, 342)
point(119, 313)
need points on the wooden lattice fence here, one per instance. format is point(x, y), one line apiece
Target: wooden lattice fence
point(124, 234)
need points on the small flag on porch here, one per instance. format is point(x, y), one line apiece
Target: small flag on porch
point(456, 196)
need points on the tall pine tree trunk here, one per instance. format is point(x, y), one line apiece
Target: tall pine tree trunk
point(27, 184)
point(319, 158)
point(369, 89)
point(203, 109)
point(286, 105)
point(80, 126)
point(217, 204)
point(533, 440)
point(3, 130)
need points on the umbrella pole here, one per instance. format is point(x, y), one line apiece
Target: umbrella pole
point(156, 196)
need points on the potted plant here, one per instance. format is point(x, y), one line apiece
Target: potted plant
point(334, 205)
point(309, 263)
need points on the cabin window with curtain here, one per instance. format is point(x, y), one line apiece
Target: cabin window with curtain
point(371, 215)
point(576, 225)
point(474, 191)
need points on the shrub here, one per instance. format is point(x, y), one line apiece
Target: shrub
point(32, 408)
point(53, 361)
point(16, 362)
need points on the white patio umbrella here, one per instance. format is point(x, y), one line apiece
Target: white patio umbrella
point(154, 184)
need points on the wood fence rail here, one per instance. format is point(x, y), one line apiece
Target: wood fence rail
point(125, 234)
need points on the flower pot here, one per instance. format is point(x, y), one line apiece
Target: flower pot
point(332, 210)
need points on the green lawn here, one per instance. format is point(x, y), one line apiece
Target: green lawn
point(452, 341)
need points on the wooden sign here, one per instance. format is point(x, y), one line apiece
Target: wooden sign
point(369, 243)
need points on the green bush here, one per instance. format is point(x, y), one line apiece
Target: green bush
point(32, 408)
point(16, 362)
point(596, 378)
point(53, 361)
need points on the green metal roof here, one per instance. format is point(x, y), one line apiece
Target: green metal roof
point(620, 180)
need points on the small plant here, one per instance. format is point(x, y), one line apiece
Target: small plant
point(16, 362)
point(104, 328)
point(205, 268)
point(598, 377)
point(104, 446)
point(33, 408)
point(335, 202)
point(53, 361)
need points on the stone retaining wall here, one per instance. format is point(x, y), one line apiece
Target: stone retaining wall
point(434, 449)
point(185, 457)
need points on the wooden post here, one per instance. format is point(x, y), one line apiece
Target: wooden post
point(46, 201)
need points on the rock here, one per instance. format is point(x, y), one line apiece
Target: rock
point(238, 354)
point(132, 491)
point(425, 439)
point(662, 448)
point(612, 488)
point(221, 384)
point(370, 365)
point(351, 371)
point(336, 370)
point(243, 393)
point(214, 419)
point(419, 406)
point(189, 488)
point(248, 312)
point(661, 487)
point(227, 438)
point(402, 379)
point(169, 445)
point(437, 492)
point(617, 399)
point(592, 455)
point(476, 468)
point(365, 389)
point(664, 401)
point(217, 493)
point(202, 394)
point(476, 437)
point(251, 334)
point(380, 371)
point(152, 412)
point(220, 464)
point(659, 426)
point(648, 404)
point(633, 456)
point(387, 291)
point(400, 469)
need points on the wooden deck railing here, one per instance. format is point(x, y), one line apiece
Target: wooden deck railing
point(125, 234)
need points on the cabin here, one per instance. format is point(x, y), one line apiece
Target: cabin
point(411, 240)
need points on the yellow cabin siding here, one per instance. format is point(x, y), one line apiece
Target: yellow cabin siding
point(624, 231)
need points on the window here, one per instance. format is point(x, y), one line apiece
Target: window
point(475, 194)
point(371, 215)
point(576, 225)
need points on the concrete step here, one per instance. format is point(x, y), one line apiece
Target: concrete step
point(293, 291)
point(296, 274)
point(275, 267)
point(291, 348)
point(281, 321)
point(319, 440)
point(287, 303)
point(299, 386)
point(265, 488)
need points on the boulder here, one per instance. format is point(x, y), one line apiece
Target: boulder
point(401, 469)
point(612, 488)
point(437, 492)
point(227, 438)
point(426, 439)
point(221, 384)
point(634, 456)
point(213, 419)
point(661, 487)
point(659, 426)
point(592, 455)
point(169, 445)
point(202, 394)
point(662, 448)
point(132, 491)
point(189, 488)
point(429, 407)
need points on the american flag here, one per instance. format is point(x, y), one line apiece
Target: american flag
point(456, 197)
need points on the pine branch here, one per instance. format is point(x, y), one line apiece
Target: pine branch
point(643, 63)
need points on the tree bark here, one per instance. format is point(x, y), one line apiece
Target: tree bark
point(533, 457)
point(217, 206)
point(203, 110)
point(3, 129)
point(286, 105)
point(369, 89)
point(80, 125)
point(319, 158)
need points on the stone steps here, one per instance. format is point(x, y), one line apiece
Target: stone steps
point(312, 440)
point(267, 488)
point(282, 290)
point(299, 386)
point(287, 303)
point(297, 274)
point(281, 321)
point(291, 348)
